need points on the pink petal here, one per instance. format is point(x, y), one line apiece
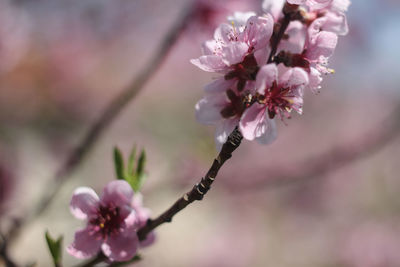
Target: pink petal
point(210, 63)
point(234, 53)
point(210, 47)
point(150, 239)
point(273, 7)
point(324, 44)
point(86, 244)
point(121, 246)
point(208, 109)
point(313, 4)
point(239, 19)
point(223, 130)
point(142, 213)
point(340, 6)
point(259, 30)
point(315, 80)
point(319, 4)
point(219, 85)
point(265, 77)
point(84, 202)
point(261, 56)
point(223, 32)
point(297, 37)
point(296, 2)
point(131, 217)
point(252, 123)
point(294, 77)
point(335, 22)
point(270, 133)
point(117, 193)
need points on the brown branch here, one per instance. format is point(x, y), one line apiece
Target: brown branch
point(115, 107)
point(200, 189)
point(233, 142)
point(289, 12)
point(103, 122)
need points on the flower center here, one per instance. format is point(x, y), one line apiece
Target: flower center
point(244, 71)
point(235, 107)
point(107, 221)
point(278, 100)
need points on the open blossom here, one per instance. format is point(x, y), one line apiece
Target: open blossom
point(222, 108)
point(251, 94)
point(237, 50)
point(111, 222)
point(277, 95)
point(142, 215)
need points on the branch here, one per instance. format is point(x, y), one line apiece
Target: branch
point(290, 12)
point(200, 189)
point(233, 142)
point(114, 108)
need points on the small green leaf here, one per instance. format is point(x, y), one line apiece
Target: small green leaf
point(131, 161)
point(119, 164)
point(141, 163)
point(55, 247)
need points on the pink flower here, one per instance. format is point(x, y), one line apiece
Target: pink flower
point(332, 18)
point(111, 222)
point(318, 48)
point(142, 214)
point(313, 4)
point(237, 50)
point(277, 95)
point(222, 106)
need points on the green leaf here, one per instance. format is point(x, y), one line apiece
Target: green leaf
point(131, 161)
point(141, 163)
point(119, 164)
point(55, 247)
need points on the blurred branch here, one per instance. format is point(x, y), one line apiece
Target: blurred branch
point(338, 156)
point(114, 108)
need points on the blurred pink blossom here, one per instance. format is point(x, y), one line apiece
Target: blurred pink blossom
point(112, 222)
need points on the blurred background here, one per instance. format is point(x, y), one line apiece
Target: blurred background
point(326, 193)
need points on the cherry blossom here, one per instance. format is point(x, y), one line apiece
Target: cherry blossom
point(111, 222)
point(278, 94)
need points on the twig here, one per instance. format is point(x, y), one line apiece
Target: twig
point(233, 142)
point(106, 118)
point(200, 189)
point(289, 12)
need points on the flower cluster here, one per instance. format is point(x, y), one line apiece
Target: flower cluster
point(266, 62)
point(112, 222)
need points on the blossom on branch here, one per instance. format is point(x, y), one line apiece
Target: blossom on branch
point(266, 62)
point(112, 222)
